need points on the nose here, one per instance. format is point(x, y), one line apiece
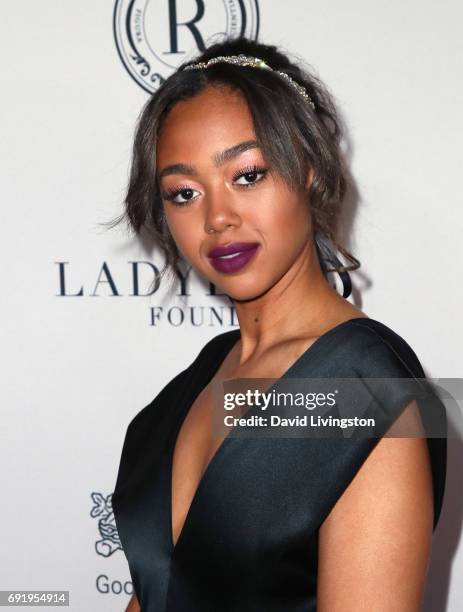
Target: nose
point(220, 212)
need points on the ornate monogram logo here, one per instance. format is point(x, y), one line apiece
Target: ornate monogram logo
point(154, 36)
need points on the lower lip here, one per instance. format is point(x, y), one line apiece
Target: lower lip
point(235, 263)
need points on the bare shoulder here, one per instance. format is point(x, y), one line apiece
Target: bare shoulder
point(374, 546)
point(133, 605)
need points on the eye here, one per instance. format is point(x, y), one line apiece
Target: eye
point(251, 175)
point(186, 194)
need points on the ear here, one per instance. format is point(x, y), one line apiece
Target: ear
point(310, 177)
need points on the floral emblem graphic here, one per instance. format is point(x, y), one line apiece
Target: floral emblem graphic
point(103, 510)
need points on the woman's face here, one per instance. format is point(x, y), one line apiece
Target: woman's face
point(218, 189)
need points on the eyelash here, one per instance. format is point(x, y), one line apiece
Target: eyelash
point(170, 195)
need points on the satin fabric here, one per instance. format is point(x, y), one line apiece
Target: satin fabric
point(250, 538)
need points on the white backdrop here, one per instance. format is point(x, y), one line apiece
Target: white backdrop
point(77, 368)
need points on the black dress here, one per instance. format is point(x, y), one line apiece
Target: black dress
point(250, 538)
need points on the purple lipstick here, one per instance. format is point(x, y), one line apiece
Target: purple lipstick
point(232, 257)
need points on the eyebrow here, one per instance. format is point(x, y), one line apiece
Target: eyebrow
point(218, 159)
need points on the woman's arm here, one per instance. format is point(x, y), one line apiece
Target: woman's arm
point(375, 544)
point(133, 606)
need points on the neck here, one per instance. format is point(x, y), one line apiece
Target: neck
point(300, 304)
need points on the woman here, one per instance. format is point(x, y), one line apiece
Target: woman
point(237, 169)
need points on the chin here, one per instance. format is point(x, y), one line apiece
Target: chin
point(241, 291)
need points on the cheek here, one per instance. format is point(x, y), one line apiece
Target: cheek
point(184, 231)
point(285, 220)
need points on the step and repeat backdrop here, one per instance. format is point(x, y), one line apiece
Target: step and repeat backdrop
point(91, 332)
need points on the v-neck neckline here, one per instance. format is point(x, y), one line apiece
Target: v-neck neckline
point(197, 384)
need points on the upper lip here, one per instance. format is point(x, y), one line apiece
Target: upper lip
point(231, 247)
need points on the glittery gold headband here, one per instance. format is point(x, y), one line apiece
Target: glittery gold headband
point(253, 62)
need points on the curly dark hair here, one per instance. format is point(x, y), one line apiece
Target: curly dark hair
point(292, 135)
